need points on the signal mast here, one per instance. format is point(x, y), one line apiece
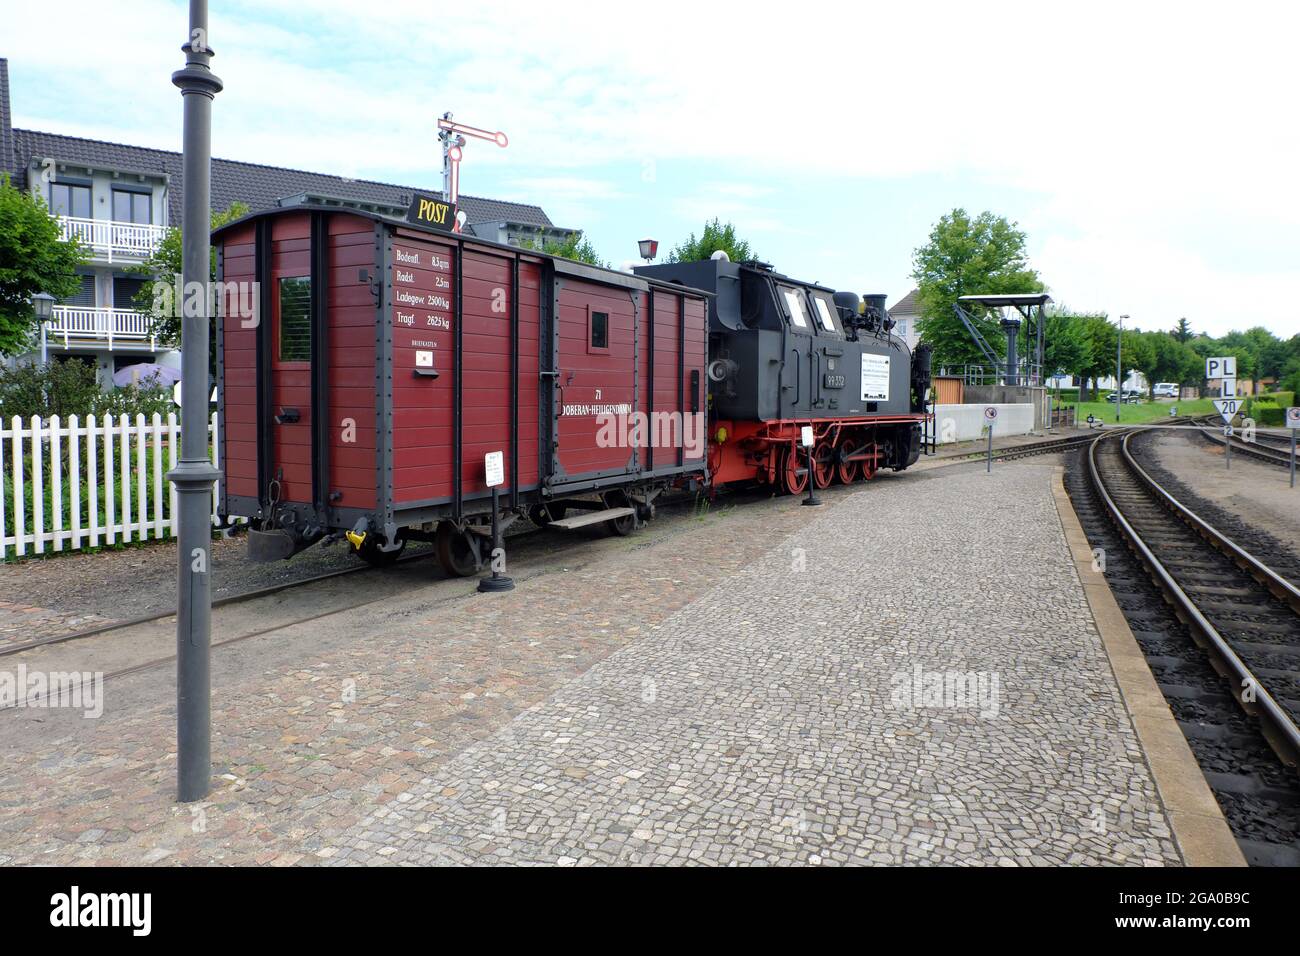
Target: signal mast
point(452, 135)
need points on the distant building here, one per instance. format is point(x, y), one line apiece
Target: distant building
point(119, 200)
point(906, 312)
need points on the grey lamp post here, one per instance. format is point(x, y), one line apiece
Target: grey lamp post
point(1119, 368)
point(194, 474)
point(43, 307)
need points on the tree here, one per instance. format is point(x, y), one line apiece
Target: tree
point(575, 247)
point(1100, 334)
point(1067, 349)
point(716, 236)
point(34, 258)
point(965, 256)
point(1182, 331)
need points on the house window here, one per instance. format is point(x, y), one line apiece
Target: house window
point(125, 289)
point(131, 206)
point(70, 199)
point(85, 296)
point(600, 331)
point(295, 319)
point(901, 330)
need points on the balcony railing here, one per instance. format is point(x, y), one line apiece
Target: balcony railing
point(113, 240)
point(75, 325)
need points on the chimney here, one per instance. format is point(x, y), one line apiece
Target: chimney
point(6, 122)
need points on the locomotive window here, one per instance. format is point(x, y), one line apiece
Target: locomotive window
point(295, 319)
point(600, 330)
point(794, 304)
point(824, 314)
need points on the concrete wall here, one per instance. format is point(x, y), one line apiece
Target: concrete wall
point(966, 422)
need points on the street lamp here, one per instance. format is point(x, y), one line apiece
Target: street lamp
point(1119, 368)
point(649, 248)
point(43, 307)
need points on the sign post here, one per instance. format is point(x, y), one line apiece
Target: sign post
point(1228, 408)
point(494, 470)
point(807, 439)
point(990, 416)
point(1293, 423)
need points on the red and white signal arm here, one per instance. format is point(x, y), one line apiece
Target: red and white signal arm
point(1293, 417)
point(990, 413)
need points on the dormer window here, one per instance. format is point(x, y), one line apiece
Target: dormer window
point(131, 205)
point(70, 199)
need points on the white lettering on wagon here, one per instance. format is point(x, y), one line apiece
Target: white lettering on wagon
point(578, 411)
point(412, 258)
point(404, 276)
point(409, 298)
point(438, 262)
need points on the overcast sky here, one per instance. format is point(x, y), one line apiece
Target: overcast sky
point(1150, 150)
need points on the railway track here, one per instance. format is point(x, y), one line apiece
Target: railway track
point(1051, 447)
point(1221, 632)
point(1274, 449)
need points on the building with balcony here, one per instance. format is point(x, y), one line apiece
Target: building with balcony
point(120, 200)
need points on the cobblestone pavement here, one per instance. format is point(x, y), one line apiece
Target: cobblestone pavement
point(724, 693)
point(790, 714)
point(20, 623)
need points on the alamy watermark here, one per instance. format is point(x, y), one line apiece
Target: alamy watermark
point(620, 427)
point(70, 690)
point(230, 300)
point(920, 689)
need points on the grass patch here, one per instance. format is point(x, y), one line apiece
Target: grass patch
point(1142, 411)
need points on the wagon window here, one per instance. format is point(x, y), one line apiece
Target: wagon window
point(600, 330)
point(295, 319)
point(825, 314)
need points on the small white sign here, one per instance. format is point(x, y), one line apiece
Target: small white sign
point(494, 463)
point(1229, 388)
point(806, 436)
point(1228, 408)
point(1293, 417)
point(1223, 367)
point(1227, 431)
point(875, 378)
point(423, 359)
point(990, 413)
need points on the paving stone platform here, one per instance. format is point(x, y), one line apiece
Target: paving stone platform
point(908, 674)
point(914, 677)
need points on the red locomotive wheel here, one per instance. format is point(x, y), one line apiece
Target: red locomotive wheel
point(794, 474)
point(869, 464)
point(823, 464)
point(847, 470)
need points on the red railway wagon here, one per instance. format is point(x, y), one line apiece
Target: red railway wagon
point(384, 360)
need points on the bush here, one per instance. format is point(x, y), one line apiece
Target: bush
point(1269, 416)
point(72, 388)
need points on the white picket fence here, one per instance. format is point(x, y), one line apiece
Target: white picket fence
point(83, 484)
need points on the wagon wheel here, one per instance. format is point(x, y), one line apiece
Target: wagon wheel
point(542, 515)
point(847, 470)
point(869, 464)
point(371, 552)
point(624, 526)
point(794, 478)
point(823, 464)
point(455, 551)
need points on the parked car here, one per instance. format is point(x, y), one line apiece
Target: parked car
point(1131, 396)
point(1165, 390)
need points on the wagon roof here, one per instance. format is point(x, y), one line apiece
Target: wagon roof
point(563, 266)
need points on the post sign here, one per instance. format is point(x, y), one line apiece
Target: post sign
point(1293, 417)
point(432, 211)
point(495, 467)
point(1228, 408)
point(990, 413)
point(1224, 367)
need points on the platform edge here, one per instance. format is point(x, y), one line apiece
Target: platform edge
point(1199, 827)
